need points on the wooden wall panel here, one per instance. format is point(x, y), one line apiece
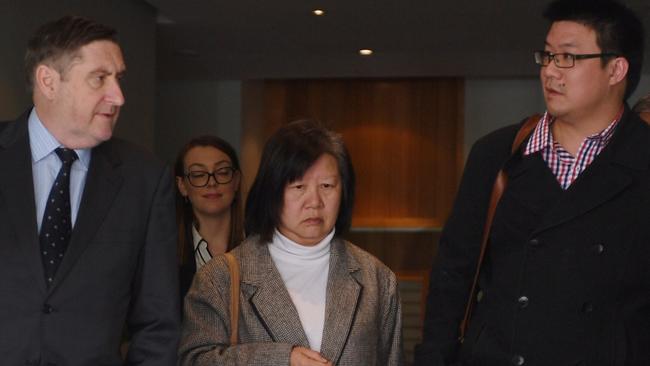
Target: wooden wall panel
point(404, 136)
point(399, 250)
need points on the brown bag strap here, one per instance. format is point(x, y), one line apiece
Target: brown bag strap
point(497, 190)
point(233, 268)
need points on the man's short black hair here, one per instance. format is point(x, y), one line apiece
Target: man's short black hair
point(618, 30)
point(287, 155)
point(57, 42)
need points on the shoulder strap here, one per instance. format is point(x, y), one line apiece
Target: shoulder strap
point(497, 190)
point(233, 268)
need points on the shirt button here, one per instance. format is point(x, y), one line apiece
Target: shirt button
point(535, 242)
point(480, 295)
point(517, 360)
point(523, 302)
point(587, 307)
point(47, 309)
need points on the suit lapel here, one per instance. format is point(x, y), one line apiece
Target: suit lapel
point(102, 185)
point(343, 291)
point(18, 193)
point(611, 172)
point(264, 289)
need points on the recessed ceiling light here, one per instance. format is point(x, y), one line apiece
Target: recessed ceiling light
point(365, 52)
point(318, 12)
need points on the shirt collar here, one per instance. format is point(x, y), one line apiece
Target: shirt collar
point(42, 143)
point(543, 138)
point(197, 238)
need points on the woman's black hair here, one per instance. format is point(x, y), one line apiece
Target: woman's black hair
point(287, 155)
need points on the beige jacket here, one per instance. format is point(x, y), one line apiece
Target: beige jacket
point(362, 312)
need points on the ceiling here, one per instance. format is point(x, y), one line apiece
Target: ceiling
point(251, 39)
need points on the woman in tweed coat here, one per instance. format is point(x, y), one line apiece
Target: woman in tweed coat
point(307, 297)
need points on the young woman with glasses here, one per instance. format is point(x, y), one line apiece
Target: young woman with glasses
point(208, 203)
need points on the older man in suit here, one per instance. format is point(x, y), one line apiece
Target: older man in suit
point(86, 221)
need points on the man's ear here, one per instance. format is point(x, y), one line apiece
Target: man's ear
point(46, 81)
point(618, 68)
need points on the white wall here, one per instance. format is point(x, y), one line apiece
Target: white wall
point(136, 26)
point(186, 109)
point(494, 103)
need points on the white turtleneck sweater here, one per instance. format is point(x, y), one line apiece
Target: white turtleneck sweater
point(304, 270)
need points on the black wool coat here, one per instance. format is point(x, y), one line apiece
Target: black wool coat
point(566, 279)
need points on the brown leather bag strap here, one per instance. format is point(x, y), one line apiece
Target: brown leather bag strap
point(497, 190)
point(233, 268)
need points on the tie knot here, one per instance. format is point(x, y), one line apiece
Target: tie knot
point(67, 156)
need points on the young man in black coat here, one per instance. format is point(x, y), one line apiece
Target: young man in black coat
point(566, 277)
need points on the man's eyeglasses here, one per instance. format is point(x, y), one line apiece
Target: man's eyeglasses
point(200, 178)
point(566, 60)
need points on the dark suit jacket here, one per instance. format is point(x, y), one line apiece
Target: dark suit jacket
point(188, 269)
point(362, 312)
point(119, 267)
point(566, 279)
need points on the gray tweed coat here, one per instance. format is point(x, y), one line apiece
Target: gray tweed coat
point(362, 312)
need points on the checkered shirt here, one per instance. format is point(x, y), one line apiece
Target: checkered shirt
point(565, 167)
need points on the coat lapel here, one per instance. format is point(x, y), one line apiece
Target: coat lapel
point(264, 289)
point(102, 185)
point(18, 193)
point(598, 185)
point(343, 291)
point(525, 174)
point(610, 173)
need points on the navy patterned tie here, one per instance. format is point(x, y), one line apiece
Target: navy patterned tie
point(56, 226)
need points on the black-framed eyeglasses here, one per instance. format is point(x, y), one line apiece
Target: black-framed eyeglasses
point(566, 60)
point(201, 178)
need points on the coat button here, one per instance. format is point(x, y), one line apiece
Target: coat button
point(587, 307)
point(523, 302)
point(517, 360)
point(534, 242)
point(599, 248)
point(47, 309)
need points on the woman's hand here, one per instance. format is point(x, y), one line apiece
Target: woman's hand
point(301, 356)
